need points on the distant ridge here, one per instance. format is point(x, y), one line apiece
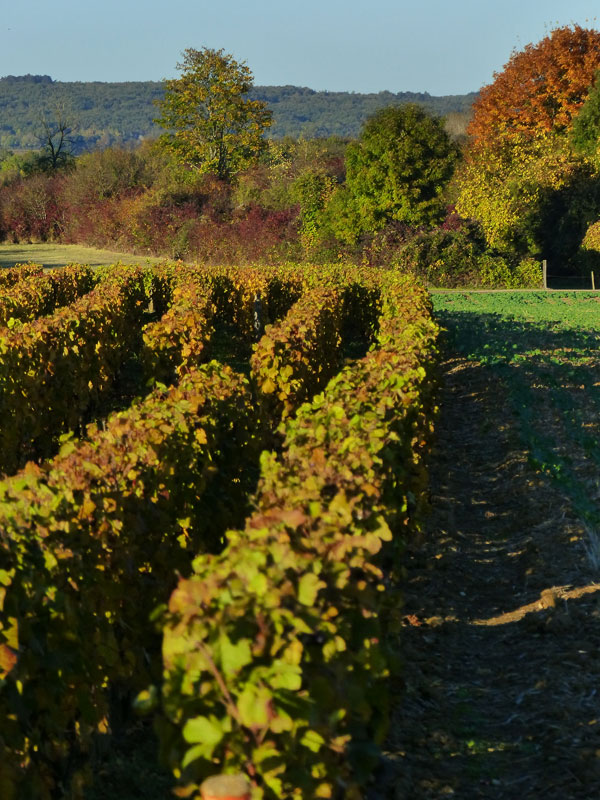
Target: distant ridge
point(114, 113)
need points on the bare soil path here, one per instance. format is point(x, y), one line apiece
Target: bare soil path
point(501, 692)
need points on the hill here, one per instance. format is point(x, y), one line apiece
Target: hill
point(115, 113)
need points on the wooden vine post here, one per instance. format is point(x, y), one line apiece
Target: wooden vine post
point(226, 787)
point(257, 316)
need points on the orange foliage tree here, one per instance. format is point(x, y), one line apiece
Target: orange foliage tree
point(540, 89)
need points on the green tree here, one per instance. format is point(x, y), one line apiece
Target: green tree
point(212, 124)
point(585, 134)
point(398, 168)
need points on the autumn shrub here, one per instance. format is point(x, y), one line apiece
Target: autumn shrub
point(589, 254)
point(527, 274)
point(382, 248)
point(155, 224)
point(591, 240)
point(255, 187)
point(497, 272)
point(311, 190)
point(457, 256)
point(272, 184)
point(102, 174)
point(31, 210)
point(254, 234)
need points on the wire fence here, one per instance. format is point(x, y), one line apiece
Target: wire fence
point(584, 282)
point(570, 282)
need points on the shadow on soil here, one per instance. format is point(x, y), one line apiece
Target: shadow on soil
point(492, 338)
point(501, 636)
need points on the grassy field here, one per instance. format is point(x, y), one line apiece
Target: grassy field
point(544, 348)
point(57, 255)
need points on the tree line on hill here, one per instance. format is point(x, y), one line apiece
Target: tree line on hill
point(214, 187)
point(108, 114)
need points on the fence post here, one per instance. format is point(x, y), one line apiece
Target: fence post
point(593, 282)
point(545, 273)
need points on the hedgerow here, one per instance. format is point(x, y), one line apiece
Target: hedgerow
point(91, 543)
point(296, 358)
point(181, 338)
point(275, 652)
point(11, 275)
point(40, 293)
point(56, 370)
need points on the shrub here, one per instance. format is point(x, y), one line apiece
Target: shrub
point(454, 258)
point(30, 209)
point(443, 257)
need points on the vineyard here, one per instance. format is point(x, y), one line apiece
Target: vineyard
point(208, 479)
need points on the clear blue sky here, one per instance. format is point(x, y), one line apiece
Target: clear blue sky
point(438, 46)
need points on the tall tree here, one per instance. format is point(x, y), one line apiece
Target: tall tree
point(212, 124)
point(56, 140)
point(540, 89)
point(398, 168)
point(521, 178)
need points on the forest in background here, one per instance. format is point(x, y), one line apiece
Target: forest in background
point(106, 114)
point(481, 208)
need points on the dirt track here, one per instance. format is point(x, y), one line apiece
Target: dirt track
point(502, 622)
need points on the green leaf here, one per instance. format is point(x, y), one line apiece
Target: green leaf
point(203, 730)
point(253, 706)
point(286, 676)
point(146, 701)
point(195, 752)
point(308, 588)
point(234, 656)
point(313, 740)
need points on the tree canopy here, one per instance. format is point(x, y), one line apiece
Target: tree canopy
point(585, 134)
point(212, 123)
point(398, 168)
point(523, 180)
point(540, 89)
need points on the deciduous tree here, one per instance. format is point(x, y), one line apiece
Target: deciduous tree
point(522, 179)
point(540, 89)
point(56, 140)
point(212, 124)
point(399, 167)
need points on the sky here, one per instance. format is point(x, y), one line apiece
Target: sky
point(435, 46)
